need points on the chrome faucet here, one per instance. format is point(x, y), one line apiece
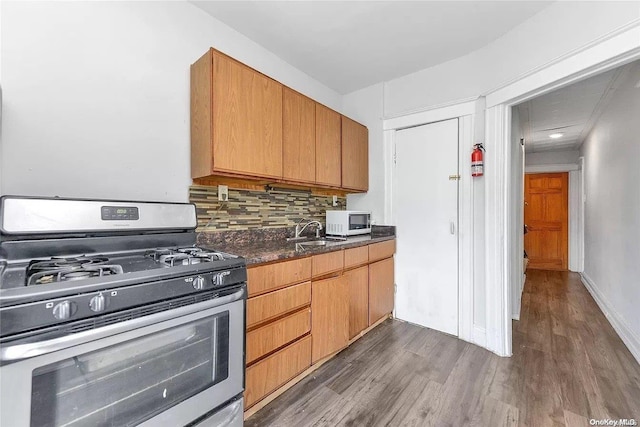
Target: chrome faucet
point(299, 229)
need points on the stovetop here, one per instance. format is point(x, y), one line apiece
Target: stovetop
point(63, 269)
point(43, 272)
point(46, 291)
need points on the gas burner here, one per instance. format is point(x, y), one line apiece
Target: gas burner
point(72, 273)
point(56, 263)
point(186, 256)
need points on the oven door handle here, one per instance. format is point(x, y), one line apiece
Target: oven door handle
point(16, 352)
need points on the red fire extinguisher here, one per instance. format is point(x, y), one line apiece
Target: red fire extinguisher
point(477, 162)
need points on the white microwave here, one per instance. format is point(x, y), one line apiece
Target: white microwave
point(348, 223)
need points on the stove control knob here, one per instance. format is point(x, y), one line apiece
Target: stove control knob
point(62, 310)
point(98, 303)
point(218, 278)
point(198, 283)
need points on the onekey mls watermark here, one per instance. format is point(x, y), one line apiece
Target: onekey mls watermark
point(616, 423)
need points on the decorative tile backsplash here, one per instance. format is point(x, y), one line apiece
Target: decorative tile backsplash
point(252, 209)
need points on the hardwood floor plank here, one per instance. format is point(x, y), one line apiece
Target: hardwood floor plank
point(503, 379)
point(571, 419)
point(578, 385)
point(465, 390)
point(423, 411)
point(496, 413)
point(540, 401)
point(390, 397)
point(432, 345)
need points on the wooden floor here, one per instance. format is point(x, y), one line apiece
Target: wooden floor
point(568, 366)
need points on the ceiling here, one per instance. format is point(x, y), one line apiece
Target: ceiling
point(349, 45)
point(571, 110)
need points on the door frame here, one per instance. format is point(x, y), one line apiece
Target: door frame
point(613, 50)
point(464, 112)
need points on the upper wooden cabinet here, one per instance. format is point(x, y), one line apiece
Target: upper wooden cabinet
point(298, 137)
point(246, 125)
point(236, 119)
point(328, 147)
point(355, 155)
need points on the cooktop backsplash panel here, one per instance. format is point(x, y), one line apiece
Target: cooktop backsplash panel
point(252, 209)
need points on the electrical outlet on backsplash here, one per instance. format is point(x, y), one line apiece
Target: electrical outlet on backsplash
point(254, 209)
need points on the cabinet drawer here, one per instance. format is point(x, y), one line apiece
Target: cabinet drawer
point(274, 335)
point(327, 263)
point(381, 250)
point(356, 256)
point(270, 277)
point(274, 304)
point(274, 371)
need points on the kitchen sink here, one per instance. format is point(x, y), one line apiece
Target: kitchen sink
point(314, 243)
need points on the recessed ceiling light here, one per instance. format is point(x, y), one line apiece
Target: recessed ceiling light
point(556, 135)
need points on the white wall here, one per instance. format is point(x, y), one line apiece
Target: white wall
point(365, 106)
point(557, 30)
point(612, 211)
point(96, 95)
point(569, 157)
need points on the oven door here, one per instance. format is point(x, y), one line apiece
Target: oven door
point(167, 368)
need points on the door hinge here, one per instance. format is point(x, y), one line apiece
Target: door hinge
point(454, 177)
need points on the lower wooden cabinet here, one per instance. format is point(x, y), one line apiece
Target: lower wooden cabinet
point(329, 316)
point(381, 289)
point(272, 372)
point(358, 284)
point(295, 320)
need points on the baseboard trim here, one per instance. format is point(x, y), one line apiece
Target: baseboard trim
point(631, 340)
point(480, 336)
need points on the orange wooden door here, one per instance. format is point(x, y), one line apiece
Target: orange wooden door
point(547, 220)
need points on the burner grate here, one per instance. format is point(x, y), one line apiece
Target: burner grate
point(186, 256)
point(68, 269)
point(65, 275)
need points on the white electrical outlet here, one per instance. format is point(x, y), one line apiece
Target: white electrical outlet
point(223, 193)
point(335, 200)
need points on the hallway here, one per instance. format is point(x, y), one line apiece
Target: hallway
point(568, 366)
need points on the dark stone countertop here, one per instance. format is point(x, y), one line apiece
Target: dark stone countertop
point(258, 250)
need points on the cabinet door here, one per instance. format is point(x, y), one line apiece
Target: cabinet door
point(247, 120)
point(355, 155)
point(329, 316)
point(328, 153)
point(358, 284)
point(298, 137)
point(381, 289)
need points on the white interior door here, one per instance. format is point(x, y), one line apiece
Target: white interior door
point(425, 208)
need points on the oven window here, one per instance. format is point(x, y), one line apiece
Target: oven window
point(358, 221)
point(130, 382)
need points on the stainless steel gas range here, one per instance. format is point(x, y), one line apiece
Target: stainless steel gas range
point(111, 316)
